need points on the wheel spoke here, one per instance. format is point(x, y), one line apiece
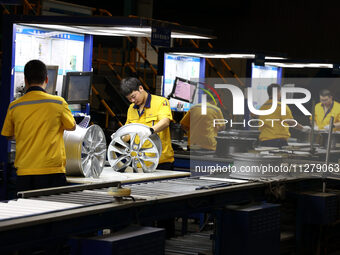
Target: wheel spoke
point(100, 149)
point(86, 145)
point(98, 141)
point(122, 157)
point(120, 141)
point(119, 164)
point(116, 149)
point(134, 164)
point(85, 158)
point(99, 154)
point(142, 163)
point(95, 166)
point(148, 150)
point(84, 149)
point(133, 142)
point(86, 164)
point(90, 137)
point(150, 159)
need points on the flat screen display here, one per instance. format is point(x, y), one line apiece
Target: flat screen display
point(77, 87)
point(52, 74)
point(188, 68)
point(184, 90)
point(261, 78)
point(53, 47)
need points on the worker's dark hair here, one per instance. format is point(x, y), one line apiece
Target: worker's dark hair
point(35, 72)
point(129, 85)
point(325, 93)
point(270, 89)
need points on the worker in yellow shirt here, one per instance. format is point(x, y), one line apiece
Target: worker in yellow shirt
point(273, 133)
point(37, 122)
point(153, 111)
point(326, 109)
point(200, 128)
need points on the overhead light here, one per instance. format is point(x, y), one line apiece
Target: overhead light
point(112, 30)
point(321, 65)
point(229, 55)
point(104, 34)
point(288, 65)
point(191, 54)
point(270, 58)
point(187, 36)
point(240, 56)
point(121, 32)
point(56, 27)
point(211, 55)
point(88, 27)
point(50, 26)
point(299, 65)
point(138, 29)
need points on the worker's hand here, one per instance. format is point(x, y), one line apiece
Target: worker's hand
point(145, 133)
point(125, 138)
point(316, 127)
point(306, 128)
point(326, 128)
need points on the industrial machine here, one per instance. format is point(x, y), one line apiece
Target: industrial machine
point(234, 141)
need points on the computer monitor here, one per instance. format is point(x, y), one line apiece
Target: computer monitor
point(52, 74)
point(261, 78)
point(77, 87)
point(184, 90)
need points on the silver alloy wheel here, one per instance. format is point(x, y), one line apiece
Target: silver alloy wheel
point(85, 151)
point(138, 151)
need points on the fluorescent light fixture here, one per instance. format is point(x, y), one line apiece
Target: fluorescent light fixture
point(240, 56)
point(49, 26)
point(187, 36)
point(192, 54)
point(211, 55)
point(138, 29)
point(113, 30)
point(104, 34)
point(121, 32)
point(321, 65)
point(273, 58)
point(299, 65)
point(56, 27)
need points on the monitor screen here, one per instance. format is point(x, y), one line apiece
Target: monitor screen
point(186, 67)
point(261, 78)
point(184, 90)
point(52, 74)
point(77, 87)
point(51, 46)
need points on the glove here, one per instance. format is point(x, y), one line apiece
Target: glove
point(306, 128)
point(146, 133)
point(316, 127)
point(326, 128)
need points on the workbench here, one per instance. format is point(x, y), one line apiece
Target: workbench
point(109, 175)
